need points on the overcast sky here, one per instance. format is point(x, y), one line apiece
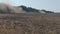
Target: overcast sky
point(53, 5)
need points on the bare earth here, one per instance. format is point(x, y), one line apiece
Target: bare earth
point(29, 23)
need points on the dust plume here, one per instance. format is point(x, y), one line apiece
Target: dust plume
point(8, 2)
point(7, 7)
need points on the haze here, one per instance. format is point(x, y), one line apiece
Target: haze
point(52, 5)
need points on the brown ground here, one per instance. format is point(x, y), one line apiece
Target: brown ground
point(29, 23)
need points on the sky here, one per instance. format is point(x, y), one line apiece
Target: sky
point(51, 5)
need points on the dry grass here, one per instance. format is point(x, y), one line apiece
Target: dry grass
point(30, 24)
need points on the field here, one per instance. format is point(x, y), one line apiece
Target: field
point(29, 23)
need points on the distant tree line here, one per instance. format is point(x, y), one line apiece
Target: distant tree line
point(20, 9)
point(29, 9)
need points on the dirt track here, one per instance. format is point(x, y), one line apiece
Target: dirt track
point(29, 23)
